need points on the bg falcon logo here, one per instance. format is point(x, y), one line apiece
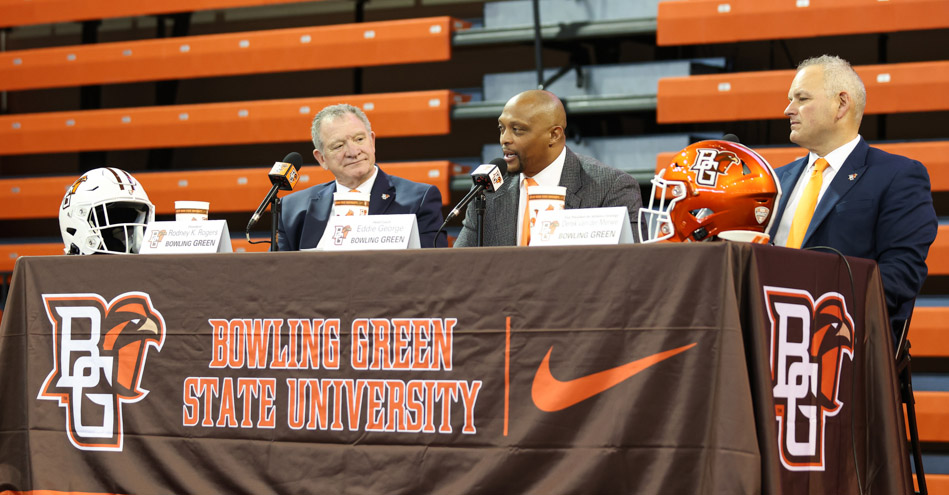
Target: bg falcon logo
point(74, 186)
point(710, 163)
point(340, 232)
point(809, 342)
point(99, 352)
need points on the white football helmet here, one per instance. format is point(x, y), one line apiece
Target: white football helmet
point(105, 211)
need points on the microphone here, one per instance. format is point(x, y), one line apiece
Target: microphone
point(487, 177)
point(283, 175)
point(731, 137)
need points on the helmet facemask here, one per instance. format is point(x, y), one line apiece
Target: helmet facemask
point(658, 217)
point(106, 211)
point(120, 225)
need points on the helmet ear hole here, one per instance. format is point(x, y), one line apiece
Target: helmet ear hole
point(71, 231)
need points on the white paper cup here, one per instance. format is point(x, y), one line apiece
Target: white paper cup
point(347, 204)
point(543, 198)
point(190, 211)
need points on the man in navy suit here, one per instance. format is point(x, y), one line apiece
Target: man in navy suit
point(346, 146)
point(871, 204)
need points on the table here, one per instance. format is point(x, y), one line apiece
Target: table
point(606, 369)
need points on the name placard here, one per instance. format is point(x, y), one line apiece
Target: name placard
point(210, 236)
point(584, 226)
point(350, 233)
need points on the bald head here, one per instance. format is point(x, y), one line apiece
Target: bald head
point(532, 131)
point(543, 104)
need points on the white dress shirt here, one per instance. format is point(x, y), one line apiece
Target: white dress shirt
point(366, 186)
point(549, 176)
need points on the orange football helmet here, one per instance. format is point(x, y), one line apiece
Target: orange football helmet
point(710, 188)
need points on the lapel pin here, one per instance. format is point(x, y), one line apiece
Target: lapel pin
point(386, 196)
point(852, 176)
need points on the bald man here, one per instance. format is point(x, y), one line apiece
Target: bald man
point(863, 202)
point(534, 146)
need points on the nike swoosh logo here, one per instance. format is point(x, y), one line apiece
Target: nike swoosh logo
point(551, 394)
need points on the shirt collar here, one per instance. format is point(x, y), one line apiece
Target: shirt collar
point(366, 185)
point(835, 159)
point(550, 175)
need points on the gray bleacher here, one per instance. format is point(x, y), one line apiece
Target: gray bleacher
point(605, 80)
point(520, 12)
point(604, 88)
point(633, 154)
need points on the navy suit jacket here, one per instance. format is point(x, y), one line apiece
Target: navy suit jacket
point(304, 214)
point(879, 206)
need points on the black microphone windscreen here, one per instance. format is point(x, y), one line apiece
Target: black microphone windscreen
point(500, 164)
point(731, 137)
point(293, 158)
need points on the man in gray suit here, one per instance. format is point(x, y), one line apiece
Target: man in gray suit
point(532, 139)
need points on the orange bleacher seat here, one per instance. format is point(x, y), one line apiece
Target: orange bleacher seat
point(931, 410)
point(26, 12)
point(278, 50)
point(416, 113)
point(228, 191)
point(10, 252)
point(937, 484)
point(891, 88)
point(938, 259)
point(728, 21)
point(928, 332)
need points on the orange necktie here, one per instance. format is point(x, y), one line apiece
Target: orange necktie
point(806, 205)
point(526, 222)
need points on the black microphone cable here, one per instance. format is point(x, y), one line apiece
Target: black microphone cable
point(853, 371)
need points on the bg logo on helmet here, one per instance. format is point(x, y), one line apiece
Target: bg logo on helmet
point(709, 163)
point(809, 342)
point(99, 353)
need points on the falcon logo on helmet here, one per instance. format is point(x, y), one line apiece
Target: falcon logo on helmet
point(712, 188)
point(710, 163)
point(105, 211)
point(72, 190)
point(99, 353)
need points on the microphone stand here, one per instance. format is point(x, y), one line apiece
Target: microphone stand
point(274, 217)
point(479, 206)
